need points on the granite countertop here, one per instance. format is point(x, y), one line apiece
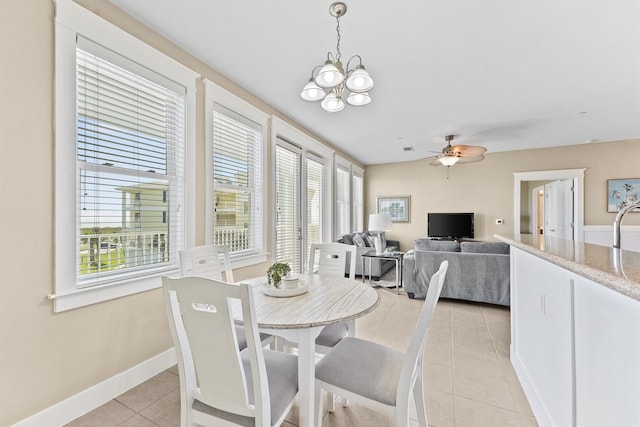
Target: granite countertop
point(616, 269)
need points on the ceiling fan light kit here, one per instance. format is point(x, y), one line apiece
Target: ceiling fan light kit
point(457, 154)
point(329, 82)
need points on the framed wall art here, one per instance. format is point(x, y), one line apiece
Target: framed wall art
point(622, 193)
point(398, 207)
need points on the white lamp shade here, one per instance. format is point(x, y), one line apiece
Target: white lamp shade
point(380, 222)
point(358, 99)
point(332, 104)
point(312, 92)
point(359, 80)
point(329, 76)
point(448, 160)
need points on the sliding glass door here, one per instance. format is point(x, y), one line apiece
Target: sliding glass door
point(299, 204)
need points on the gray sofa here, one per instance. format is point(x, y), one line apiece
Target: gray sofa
point(378, 266)
point(478, 271)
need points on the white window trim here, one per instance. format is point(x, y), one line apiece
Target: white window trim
point(315, 150)
point(73, 20)
point(214, 94)
point(359, 172)
point(345, 165)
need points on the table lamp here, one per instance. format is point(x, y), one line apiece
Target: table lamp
point(377, 224)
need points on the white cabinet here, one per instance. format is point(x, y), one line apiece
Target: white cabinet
point(575, 346)
point(542, 336)
point(607, 356)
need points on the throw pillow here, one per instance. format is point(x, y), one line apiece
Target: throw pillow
point(347, 239)
point(359, 241)
point(370, 240)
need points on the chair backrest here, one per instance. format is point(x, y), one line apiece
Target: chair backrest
point(202, 327)
point(206, 261)
point(414, 354)
point(333, 260)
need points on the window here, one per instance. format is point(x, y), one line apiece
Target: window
point(349, 198)
point(235, 158)
point(122, 137)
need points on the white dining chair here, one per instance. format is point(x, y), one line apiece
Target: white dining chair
point(219, 384)
point(211, 262)
point(332, 260)
point(377, 376)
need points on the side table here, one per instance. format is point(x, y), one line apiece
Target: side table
point(397, 256)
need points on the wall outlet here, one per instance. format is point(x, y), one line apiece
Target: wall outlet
point(499, 221)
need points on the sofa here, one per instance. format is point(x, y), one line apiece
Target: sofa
point(364, 243)
point(478, 271)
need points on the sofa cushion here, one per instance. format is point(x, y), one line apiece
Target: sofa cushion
point(347, 239)
point(485, 247)
point(358, 240)
point(437, 245)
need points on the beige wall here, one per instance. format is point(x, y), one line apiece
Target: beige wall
point(46, 357)
point(486, 187)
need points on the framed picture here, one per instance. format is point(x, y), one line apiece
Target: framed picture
point(621, 193)
point(398, 207)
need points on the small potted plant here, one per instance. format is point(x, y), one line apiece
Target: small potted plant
point(276, 272)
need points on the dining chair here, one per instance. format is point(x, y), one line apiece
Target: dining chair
point(332, 261)
point(377, 376)
point(219, 384)
point(210, 261)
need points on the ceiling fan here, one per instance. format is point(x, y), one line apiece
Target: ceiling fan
point(457, 154)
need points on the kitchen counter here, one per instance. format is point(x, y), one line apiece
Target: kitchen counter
point(616, 269)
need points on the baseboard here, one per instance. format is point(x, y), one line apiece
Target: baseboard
point(99, 394)
point(537, 407)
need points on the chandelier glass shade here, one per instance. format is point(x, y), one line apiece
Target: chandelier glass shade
point(449, 160)
point(329, 83)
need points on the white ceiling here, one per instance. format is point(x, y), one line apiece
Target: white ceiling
point(505, 74)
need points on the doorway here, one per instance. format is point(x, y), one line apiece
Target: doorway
point(522, 211)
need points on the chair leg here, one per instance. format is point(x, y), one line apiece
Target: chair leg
point(317, 405)
point(418, 397)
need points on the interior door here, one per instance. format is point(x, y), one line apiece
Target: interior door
point(288, 216)
point(558, 209)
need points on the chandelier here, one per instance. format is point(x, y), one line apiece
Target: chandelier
point(329, 82)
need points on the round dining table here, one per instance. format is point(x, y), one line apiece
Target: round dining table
point(301, 318)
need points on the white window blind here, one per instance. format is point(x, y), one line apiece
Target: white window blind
point(130, 134)
point(343, 201)
point(315, 198)
point(288, 232)
point(237, 182)
point(358, 202)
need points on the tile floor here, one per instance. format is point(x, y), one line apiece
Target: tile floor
point(469, 380)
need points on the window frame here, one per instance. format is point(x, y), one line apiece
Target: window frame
point(73, 21)
point(214, 94)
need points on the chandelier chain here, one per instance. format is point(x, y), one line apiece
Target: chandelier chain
point(339, 54)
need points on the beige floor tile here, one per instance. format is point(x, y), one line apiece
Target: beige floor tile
point(149, 391)
point(174, 370)
point(165, 412)
point(439, 408)
point(487, 365)
point(507, 369)
point(519, 398)
point(110, 414)
point(438, 377)
point(483, 388)
point(355, 416)
point(138, 421)
point(528, 421)
point(469, 413)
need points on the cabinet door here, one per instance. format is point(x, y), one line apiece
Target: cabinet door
point(542, 337)
point(607, 334)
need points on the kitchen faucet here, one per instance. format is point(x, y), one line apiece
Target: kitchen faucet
point(618, 220)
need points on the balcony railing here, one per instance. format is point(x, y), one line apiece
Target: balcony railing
point(236, 239)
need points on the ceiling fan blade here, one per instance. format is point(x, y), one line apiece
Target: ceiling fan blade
point(470, 159)
point(468, 150)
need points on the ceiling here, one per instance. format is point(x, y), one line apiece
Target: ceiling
point(504, 74)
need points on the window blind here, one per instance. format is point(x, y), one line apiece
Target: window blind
point(237, 145)
point(343, 203)
point(358, 202)
point(315, 198)
point(130, 139)
point(288, 208)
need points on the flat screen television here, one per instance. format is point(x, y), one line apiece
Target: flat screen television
point(450, 225)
